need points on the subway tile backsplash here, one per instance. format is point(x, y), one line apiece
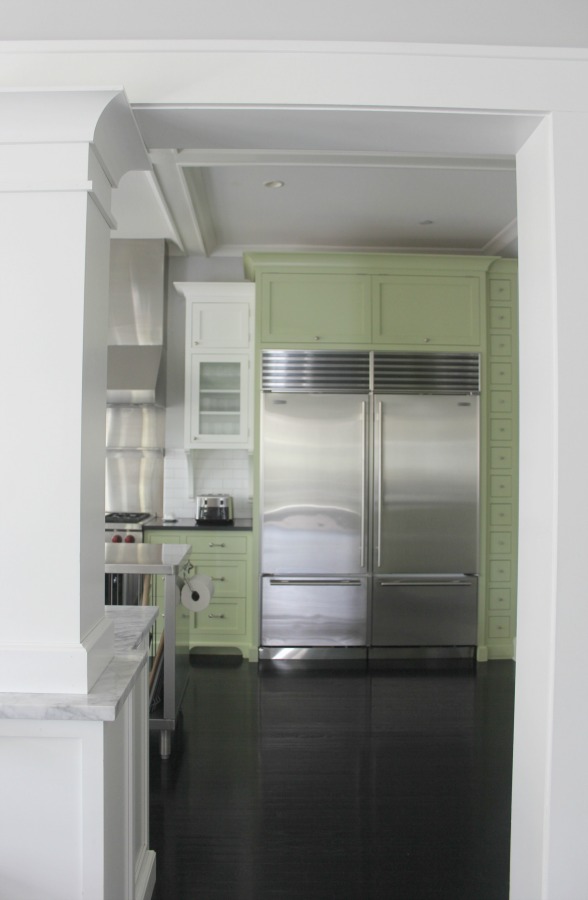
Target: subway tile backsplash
point(214, 472)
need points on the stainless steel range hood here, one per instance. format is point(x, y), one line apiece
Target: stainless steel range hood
point(136, 322)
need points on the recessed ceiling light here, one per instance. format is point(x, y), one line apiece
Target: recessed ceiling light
point(427, 222)
point(274, 184)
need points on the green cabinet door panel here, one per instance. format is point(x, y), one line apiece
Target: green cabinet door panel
point(318, 308)
point(427, 310)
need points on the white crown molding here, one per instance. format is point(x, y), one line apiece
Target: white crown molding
point(203, 158)
point(386, 48)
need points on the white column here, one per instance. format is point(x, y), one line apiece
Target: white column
point(550, 774)
point(60, 154)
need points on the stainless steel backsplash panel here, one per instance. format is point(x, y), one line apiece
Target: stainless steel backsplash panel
point(134, 481)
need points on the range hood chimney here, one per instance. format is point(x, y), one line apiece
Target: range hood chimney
point(136, 321)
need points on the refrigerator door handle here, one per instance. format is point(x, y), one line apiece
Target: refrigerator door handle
point(448, 583)
point(363, 493)
point(379, 477)
point(298, 582)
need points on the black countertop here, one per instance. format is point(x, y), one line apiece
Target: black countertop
point(191, 525)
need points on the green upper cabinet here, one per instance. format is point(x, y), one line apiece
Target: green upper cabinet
point(369, 299)
point(426, 309)
point(319, 308)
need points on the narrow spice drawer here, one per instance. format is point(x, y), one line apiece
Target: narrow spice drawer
point(499, 599)
point(213, 542)
point(499, 627)
point(500, 373)
point(500, 289)
point(500, 345)
point(500, 514)
point(501, 486)
point(501, 429)
point(500, 570)
point(500, 317)
point(500, 401)
point(500, 458)
point(500, 543)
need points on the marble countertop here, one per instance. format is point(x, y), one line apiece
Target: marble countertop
point(106, 698)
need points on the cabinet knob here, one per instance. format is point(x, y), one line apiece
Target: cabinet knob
point(317, 337)
point(427, 340)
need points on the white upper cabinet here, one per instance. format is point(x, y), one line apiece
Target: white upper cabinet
point(218, 381)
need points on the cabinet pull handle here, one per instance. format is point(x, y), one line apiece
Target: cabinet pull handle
point(317, 337)
point(216, 615)
point(425, 583)
point(216, 545)
point(219, 578)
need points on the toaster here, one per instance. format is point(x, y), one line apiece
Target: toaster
point(214, 509)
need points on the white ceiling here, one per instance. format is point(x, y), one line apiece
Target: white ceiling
point(353, 180)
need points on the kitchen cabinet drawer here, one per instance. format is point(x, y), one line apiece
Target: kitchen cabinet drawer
point(219, 618)
point(500, 401)
point(500, 373)
point(501, 457)
point(500, 543)
point(218, 542)
point(317, 308)
point(500, 289)
point(500, 514)
point(501, 486)
point(432, 310)
point(229, 576)
point(500, 345)
point(500, 317)
point(500, 570)
point(501, 429)
point(499, 627)
point(499, 599)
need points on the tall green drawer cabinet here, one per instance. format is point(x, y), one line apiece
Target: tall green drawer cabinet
point(226, 557)
point(419, 303)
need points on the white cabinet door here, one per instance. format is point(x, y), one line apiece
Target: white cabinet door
point(218, 324)
point(217, 414)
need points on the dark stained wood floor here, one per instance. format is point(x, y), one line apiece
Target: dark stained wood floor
point(339, 785)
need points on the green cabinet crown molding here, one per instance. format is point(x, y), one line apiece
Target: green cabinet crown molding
point(256, 264)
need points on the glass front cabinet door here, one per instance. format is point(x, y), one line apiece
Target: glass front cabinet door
point(217, 414)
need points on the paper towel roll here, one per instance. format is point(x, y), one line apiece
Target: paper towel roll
point(197, 593)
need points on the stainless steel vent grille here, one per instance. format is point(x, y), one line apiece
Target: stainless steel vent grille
point(427, 373)
point(318, 371)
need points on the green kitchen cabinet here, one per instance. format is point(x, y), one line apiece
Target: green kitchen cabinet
point(439, 311)
point(369, 300)
point(225, 556)
point(320, 308)
point(501, 471)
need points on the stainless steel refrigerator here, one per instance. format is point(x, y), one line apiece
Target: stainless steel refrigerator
point(370, 504)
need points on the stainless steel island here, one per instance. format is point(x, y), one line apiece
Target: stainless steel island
point(170, 661)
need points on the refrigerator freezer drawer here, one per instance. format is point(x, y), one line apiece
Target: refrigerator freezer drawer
point(313, 612)
point(424, 612)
